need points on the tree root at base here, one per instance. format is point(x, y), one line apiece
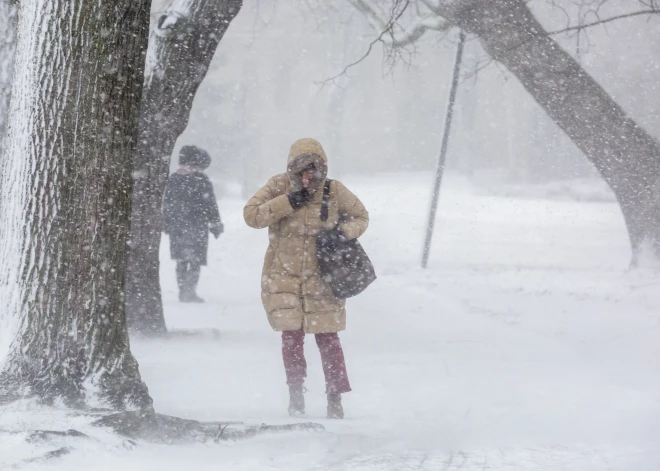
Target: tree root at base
point(159, 428)
point(148, 427)
point(65, 450)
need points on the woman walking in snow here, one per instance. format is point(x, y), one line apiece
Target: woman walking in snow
point(297, 300)
point(190, 211)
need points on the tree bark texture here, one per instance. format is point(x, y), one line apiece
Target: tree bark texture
point(181, 48)
point(66, 201)
point(627, 157)
point(7, 49)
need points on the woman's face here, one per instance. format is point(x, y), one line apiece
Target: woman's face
point(308, 177)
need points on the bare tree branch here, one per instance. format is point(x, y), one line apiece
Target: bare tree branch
point(654, 11)
point(344, 72)
point(436, 21)
point(405, 37)
point(439, 23)
point(387, 35)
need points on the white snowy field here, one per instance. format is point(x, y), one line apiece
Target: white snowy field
point(527, 345)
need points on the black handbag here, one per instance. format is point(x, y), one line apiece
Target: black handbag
point(344, 265)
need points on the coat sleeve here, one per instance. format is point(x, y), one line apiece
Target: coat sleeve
point(267, 206)
point(210, 205)
point(354, 216)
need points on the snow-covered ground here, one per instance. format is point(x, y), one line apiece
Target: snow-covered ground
point(527, 345)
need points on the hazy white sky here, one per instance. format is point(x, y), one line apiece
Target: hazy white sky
point(263, 92)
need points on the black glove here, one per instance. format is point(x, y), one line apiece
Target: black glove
point(298, 199)
point(331, 239)
point(217, 229)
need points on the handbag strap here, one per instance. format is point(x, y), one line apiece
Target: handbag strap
point(326, 200)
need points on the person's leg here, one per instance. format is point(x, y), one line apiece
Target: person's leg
point(334, 369)
point(181, 278)
point(293, 354)
point(194, 272)
point(334, 364)
point(295, 366)
point(187, 274)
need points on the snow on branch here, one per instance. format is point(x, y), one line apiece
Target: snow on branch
point(175, 13)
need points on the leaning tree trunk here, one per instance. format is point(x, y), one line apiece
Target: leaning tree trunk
point(66, 201)
point(627, 157)
point(182, 45)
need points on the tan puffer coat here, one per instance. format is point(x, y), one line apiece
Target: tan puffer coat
point(293, 292)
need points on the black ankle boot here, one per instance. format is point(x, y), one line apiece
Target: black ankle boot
point(190, 298)
point(335, 409)
point(296, 401)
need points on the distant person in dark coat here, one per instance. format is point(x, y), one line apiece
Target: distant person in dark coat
point(190, 211)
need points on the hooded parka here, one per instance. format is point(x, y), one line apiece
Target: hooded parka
point(293, 293)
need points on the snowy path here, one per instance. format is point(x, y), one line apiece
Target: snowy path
point(526, 346)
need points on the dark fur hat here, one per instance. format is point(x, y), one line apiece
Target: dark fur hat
point(194, 156)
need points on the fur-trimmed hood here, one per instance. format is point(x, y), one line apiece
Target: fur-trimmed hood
point(305, 152)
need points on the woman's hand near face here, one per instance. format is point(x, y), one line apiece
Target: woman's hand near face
point(308, 177)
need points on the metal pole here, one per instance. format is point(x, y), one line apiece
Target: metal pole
point(443, 150)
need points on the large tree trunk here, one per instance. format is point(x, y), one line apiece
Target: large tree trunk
point(182, 45)
point(7, 49)
point(66, 201)
point(626, 156)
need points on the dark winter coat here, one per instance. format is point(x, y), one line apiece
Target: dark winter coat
point(189, 212)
